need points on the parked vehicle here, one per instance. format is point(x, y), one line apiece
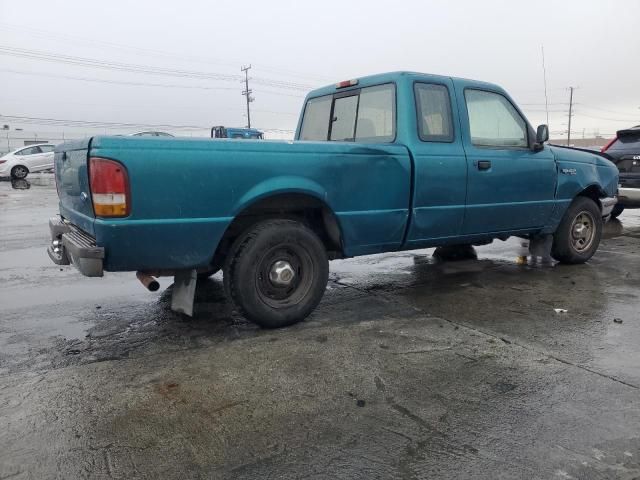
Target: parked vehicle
point(32, 158)
point(151, 134)
point(241, 133)
point(390, 162)
point(624, 150)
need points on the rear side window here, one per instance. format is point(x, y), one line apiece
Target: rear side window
point(493, 121)
point(376, 114)
point(627, 143)
point(315, 123)
point(343, 125)
point(433, 107)
point(29, 151)
point(365, 115)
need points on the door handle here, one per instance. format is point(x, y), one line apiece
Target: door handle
point(484, 164)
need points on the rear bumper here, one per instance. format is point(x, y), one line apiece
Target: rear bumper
point(607, 205)
point(629, 197)
point(69, 244)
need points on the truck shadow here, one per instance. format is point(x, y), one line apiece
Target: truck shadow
point(486, 293)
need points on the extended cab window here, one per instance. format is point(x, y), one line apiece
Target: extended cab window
point(493, 121)
point(365, 115)
point(433, 107)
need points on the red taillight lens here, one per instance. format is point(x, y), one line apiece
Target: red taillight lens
point(109, 188)
point(606, 147)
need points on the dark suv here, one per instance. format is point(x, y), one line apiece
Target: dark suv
point(624, 150)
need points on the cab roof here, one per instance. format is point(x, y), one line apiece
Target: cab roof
point(392, 77)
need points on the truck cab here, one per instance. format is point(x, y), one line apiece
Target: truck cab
point(478, 168)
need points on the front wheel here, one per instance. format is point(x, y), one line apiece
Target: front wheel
point(579, 233)
point(19, 172)
point(276, 273)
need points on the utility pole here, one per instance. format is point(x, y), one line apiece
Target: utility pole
point(247, 93)
point(570, 114)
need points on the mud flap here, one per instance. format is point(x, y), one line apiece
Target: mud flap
point(184, 290)
point(540, 246)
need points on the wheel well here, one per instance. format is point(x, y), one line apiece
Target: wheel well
point(307, 209)
point(593, 192)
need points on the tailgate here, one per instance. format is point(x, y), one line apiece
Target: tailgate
point(72, 180)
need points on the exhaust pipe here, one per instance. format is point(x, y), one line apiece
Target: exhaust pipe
point(148, 281)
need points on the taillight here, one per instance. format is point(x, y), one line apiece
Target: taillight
point(606, 147)
point(109, 188)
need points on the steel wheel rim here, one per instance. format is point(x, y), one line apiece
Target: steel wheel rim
point(583, 231)
point(285, 295)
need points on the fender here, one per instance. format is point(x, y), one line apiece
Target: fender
point(281, 185)
point(580, 171)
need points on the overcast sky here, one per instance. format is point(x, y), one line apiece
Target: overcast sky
point(294, 46)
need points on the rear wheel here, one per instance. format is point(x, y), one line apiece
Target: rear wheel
point(19, 172)
point(276, 273)
point(579, 233)
point(617, 210)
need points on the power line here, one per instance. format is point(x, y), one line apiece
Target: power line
point(607, 119)
point(93, 124)
point(100, 124)
point(636, 115)
point(142, 69)
point(140, 84)
point(151, 52)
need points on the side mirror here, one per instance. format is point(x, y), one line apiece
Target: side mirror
point(542, 134)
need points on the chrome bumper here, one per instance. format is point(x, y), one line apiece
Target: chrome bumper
point(629, 196)
point(69, 244)
point(607, 205)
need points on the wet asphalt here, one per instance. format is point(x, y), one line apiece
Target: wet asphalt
point(410, 368)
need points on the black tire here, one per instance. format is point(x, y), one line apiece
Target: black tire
point(250, 271)
point(579, 233)
point(19, 172)
point(617, 210)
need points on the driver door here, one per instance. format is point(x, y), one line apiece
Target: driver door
point(510, 187)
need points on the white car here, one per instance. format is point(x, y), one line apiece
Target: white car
point(24, 160)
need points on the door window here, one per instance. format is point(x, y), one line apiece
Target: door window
point(493, 121)
point(47, 148)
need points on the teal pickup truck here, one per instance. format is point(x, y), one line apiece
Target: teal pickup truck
point(389, 162)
